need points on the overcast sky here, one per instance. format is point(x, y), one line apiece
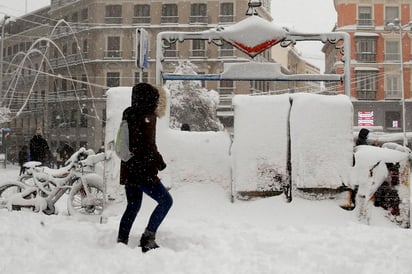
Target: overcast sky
point(300, 15)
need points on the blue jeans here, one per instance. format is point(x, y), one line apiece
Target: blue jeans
point(134, 195)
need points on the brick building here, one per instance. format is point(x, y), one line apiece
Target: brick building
point(376, 60)
point(93, 49)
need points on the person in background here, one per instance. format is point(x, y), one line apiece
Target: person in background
point(139, 174)
point(362, 137)
point(22, 158)
point(185, 127)
point(66, 151)
point(39, 148)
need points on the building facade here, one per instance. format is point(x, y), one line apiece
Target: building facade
point(90, 46)
point(380, 59)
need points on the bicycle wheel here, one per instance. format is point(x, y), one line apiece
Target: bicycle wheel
point(10, 190)
point(88, 201)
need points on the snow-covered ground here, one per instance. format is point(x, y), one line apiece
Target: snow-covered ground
point(206, 233)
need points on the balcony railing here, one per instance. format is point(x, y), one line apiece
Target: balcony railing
point(365, 23)
point(112, 54)
point(170, 53)
point(366, 95)
point(198, 53)
point(366, 57)
point(141, 20)
point(393, 94)
point(74, 59)
point(226, 52)
point(113, 20)
point(393, 57)
point(226, 18)
point(169, 19)
point(198, 19)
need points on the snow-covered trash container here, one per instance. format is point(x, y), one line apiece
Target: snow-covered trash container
point(259, 150)
point(321, 142)
point(383, 177)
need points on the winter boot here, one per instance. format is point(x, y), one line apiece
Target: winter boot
point(122, 241)
point(147, 241)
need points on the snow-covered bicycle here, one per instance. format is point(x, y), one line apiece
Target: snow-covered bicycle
point(41, 187)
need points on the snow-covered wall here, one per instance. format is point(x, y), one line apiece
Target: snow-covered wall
point(321, 140)
point(190, 156)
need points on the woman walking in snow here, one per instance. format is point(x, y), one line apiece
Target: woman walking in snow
point(139, 174)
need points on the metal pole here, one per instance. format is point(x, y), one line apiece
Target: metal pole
point(405, 140)
point(1, 53)
point(397, 22)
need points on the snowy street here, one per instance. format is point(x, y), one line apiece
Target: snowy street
point(206, 233)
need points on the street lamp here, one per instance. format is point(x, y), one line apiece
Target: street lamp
point(396, 24)
point(3, 23)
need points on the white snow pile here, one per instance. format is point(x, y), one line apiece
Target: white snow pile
point(205, 232)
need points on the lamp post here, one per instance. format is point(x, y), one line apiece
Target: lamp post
point(396, 24)
point(3, 23)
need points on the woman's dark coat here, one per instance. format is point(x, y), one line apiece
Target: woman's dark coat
point(141, 117)
point(39, 149)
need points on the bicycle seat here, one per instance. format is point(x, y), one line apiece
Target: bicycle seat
point(31, 164)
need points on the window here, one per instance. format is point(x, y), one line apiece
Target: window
point(74, 48)
point(113, 79)
point(366, 50)
point(145, 77)
point(141, 14)
point(226, 93)
point(75, 17)
point(226, 12)
point(366, 84)
point(392, 51)
point(226, 85)
point(85, 14)
point(113, 47)
point(392, 85)
point(365, 16)
point(83, 118)
point(170, 49)
point(198, 13)
point(73, 118)
point(198, 48)
point(226, 49)
point(64, 85)
point(55, 119)
point(85, 45)
point(393, 120)
point(113, 14)
point(169, 13)
point(84, 82)
point(64, 50)
point(390, 14)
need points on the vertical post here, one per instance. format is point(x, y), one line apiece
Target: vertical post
point(3, 23)
point(142, 51)
point(347, 68)
point(397, 22)
point(405, 140)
